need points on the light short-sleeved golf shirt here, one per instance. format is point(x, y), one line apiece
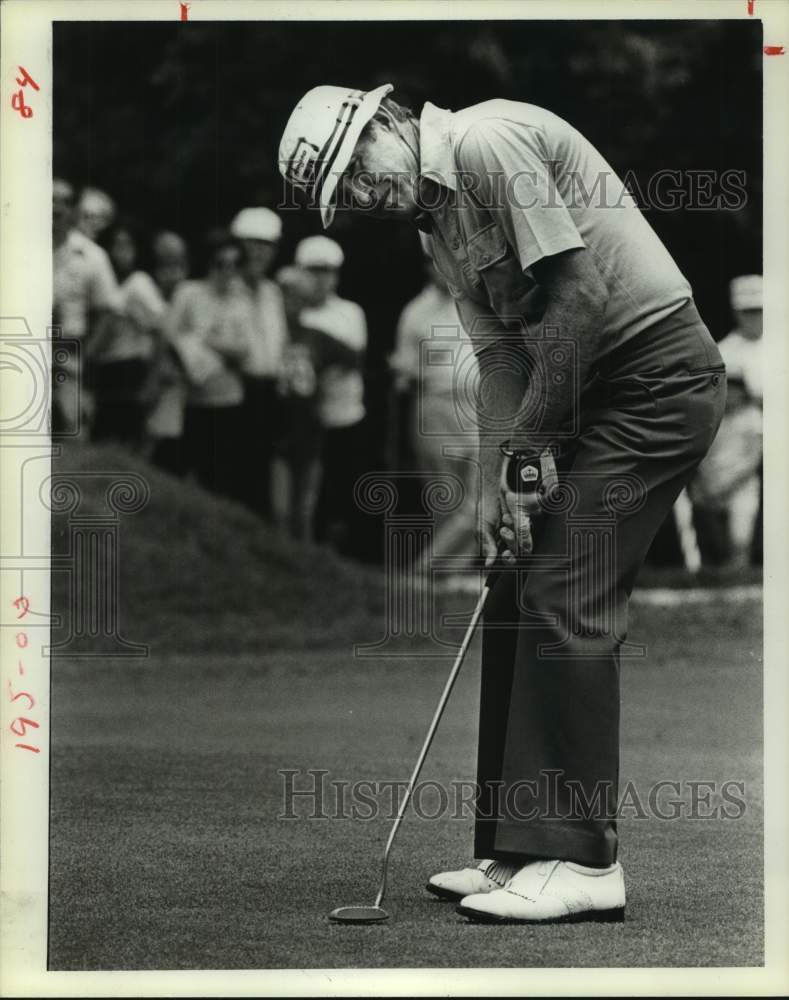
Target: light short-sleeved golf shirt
point(519, 185)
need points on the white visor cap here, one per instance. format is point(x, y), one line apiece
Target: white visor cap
point(320, 137)
point(257, 224)
point(745, 291)
point(319, 251)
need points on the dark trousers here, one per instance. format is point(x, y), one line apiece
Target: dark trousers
point(122, 423)
point(257, 430)
point(122, 390)
point(211, 448)
point(555, 628)
point(337, 515)
point(169, 455)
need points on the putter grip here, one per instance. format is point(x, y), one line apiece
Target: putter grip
point(522, 474)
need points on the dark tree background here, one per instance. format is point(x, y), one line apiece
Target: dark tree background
point(181, 123)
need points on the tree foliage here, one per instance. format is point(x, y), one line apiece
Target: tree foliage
point(181, 121)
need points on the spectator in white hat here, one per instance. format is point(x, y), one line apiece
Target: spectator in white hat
point(727, 489)
point(742, 348)
point(259, 230)
point(341, 391)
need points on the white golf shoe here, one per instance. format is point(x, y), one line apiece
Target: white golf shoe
point(486, 877)
point(551, 892)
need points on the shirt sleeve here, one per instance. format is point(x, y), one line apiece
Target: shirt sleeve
point(405, 359)
point(177, 317)
point(144, 302)
point(361, 330)
point(275, 323)
point(329, 351)
point(103, 286)
point(513, 179)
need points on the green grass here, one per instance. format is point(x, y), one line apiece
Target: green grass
point(166, 849)
point(167, 852)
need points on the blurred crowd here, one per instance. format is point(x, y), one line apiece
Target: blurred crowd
point(215, 365)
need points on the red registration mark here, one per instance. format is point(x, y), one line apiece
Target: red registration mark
point(22, 726)
point(18, 98)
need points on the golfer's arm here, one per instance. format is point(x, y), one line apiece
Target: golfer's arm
point(501, 386)
point(576, 300)
point(511, 403)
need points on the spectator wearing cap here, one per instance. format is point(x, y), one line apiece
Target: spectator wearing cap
point(727, 489)
point(259, 231)
point(341, 392)
point(95, 212)
point(165, 424)
point(84, 293)
point(209, 328)
point(742, 348)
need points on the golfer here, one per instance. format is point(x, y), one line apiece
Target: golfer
point(595, 368)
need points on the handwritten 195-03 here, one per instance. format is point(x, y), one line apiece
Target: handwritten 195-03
point(18, 98)
point(22, 723)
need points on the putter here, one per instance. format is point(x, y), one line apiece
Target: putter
point(521, 474)
point(375, 913)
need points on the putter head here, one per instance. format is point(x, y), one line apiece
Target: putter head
point(358, 915)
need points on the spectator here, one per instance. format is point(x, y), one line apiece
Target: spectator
point(95, 212)
point(84, 292)
point(341, 392)
point(727, 488)
point(165, 424)
point(209, 325)
point(742, 348)
point(307, 355)
point(259, 230)
point(124, 359)
point(440, 379)
point(170, 262)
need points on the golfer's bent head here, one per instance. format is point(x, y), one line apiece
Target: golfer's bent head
point(354, 149)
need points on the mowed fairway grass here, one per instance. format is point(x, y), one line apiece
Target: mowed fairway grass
point(167, 851)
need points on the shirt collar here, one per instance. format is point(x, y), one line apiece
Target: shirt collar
point(435, 156)
point(435, 147)
point(76, 241)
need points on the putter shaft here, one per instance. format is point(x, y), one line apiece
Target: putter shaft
point(431, 733)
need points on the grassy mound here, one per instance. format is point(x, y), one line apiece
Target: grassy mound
point(196, 572)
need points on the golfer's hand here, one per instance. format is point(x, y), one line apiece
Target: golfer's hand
point(489, 521)
point(518, 509)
